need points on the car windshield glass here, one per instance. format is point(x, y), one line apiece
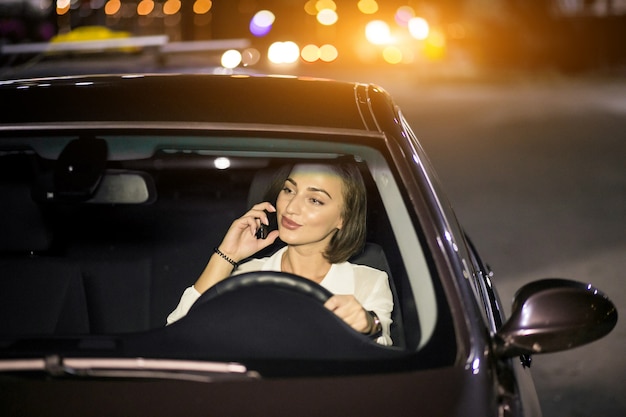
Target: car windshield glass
point(103, 233)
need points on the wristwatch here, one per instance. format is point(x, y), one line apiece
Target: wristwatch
point(376, 329)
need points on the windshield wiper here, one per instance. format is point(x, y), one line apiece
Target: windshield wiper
point(197, 371)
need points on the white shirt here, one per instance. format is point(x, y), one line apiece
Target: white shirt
point(368, 285)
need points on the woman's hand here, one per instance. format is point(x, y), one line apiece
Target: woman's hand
point(349, 310)
point(240, 241)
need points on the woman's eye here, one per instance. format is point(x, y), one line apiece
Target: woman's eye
point(316, 201)
point(287, 190)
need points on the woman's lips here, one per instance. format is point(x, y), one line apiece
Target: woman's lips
point(288, 224)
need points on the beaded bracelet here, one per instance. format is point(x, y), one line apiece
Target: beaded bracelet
point(226, 258)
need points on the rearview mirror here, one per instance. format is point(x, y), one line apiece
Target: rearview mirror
point(555, 314)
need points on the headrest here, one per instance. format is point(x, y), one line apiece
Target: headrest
point(21, 222)
point(266, 184)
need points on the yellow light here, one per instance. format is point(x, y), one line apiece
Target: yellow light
point(145, 7)
point(378, 32)
point(435, 46)
point(328, 53)
point(418, 28)
point(310, 53)
point(112, 7)
point(309, 8)
point(367, 6)
point(202, 6)
point(171, 7)
point(327, 17)
point(231, 58)
point(392, 55)
point(325, 4)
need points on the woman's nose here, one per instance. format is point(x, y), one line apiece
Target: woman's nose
point(293, 206)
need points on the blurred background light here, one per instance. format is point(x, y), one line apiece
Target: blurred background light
point(231, 58)
point(327, 17)
point(250, 56)
point(63, 6)
point(261, 23)
point(171, 7)
point(283, 52)
point(325, 4)
point(112, 7)
point(403, 15)
point(145, 7)
point(435, 45)
point(392, 54)
point(202, 6)
point(377, 32)
point(418, 28)
point(310, 53)
point(328, 53)
point(367, 6)
point(309, 7)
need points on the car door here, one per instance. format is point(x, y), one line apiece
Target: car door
point(516, 388)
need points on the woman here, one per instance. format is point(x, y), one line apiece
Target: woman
point(321, 213)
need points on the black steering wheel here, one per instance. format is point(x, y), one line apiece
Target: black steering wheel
point(269, 280)
point(260, 315)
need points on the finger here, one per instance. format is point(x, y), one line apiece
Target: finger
point(265, 205)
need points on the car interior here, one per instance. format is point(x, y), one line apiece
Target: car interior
point(109, 251)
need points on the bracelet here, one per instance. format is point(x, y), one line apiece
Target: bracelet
point(226, 258)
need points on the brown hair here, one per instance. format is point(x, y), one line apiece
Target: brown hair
point(349, 240)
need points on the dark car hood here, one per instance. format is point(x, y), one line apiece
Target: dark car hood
point(452, 391)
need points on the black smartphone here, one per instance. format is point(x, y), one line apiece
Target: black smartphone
point(265, 229)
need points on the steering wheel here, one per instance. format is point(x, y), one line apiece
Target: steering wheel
point(269, 279)
point(256, 316)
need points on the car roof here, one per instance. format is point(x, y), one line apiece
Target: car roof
point(237, 99)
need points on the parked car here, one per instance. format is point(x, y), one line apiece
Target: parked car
point(114, 191)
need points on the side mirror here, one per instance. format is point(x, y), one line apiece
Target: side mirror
point(552, 315)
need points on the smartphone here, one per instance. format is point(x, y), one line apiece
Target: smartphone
point(264, 230)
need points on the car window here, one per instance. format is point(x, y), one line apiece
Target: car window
point(126, 255)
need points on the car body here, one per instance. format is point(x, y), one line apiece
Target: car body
point(117, 188)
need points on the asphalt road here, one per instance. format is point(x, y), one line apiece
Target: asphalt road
point(536, 170)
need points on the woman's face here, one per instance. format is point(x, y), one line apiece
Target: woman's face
point(309, 206)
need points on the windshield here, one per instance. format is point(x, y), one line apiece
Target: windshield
point(93, 264)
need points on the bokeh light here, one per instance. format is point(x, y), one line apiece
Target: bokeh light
point(378, 32)
point(283, 52)
point(250, 56)
point(435, 45)
point(202, 6)
point(309, 7)
point(171, 7)
point(392, 54)
point(261, 23)
point(367, 6)
point(63, 6)
point(327, 17)
point(325, 4)
point(403, 15)
point(145, 7)
point(328, 53)
point(419, 28)
point(231, 58)
point(112, 7)
point(310, 53)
